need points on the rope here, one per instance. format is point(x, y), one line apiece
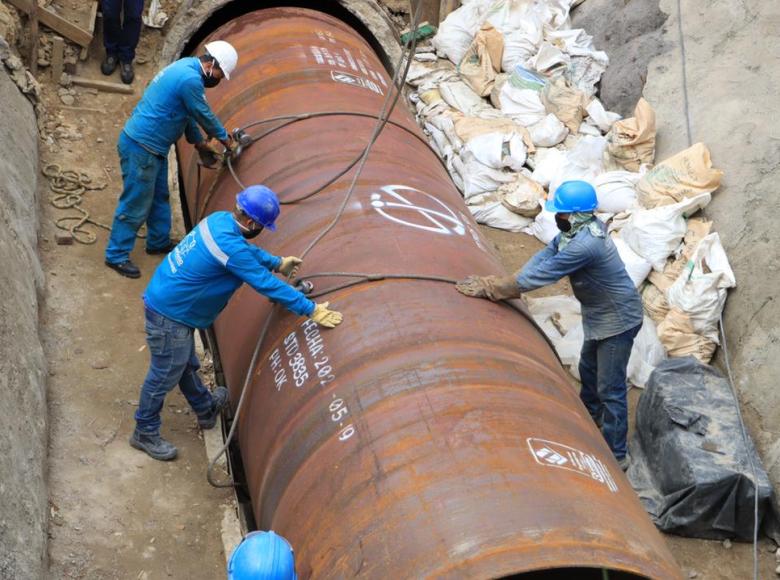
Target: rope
point(69, 188)
point(387, 108)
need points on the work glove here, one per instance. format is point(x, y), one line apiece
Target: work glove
point(325, 317)
point(289, 265)
point(228, 143)
point(208, 156)
point(491, 287)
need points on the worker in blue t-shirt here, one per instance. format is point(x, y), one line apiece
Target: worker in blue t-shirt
point(173, 104)
point(190, 288)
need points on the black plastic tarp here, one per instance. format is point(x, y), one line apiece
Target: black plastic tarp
point(689, 463)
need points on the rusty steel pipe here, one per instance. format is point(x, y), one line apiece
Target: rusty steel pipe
point(430, 435)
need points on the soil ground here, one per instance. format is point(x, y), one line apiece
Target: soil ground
point(115, 513)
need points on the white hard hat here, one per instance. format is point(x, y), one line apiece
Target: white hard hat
point(226, 55)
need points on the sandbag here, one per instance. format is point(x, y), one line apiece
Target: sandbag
point(456, 32)
point(543, 227)
point(686, 174)
point(498, 150)
point(547, 164)
point(482, 61)
point(586, 64)
point(520, 46)
point(690, 463)
point(698, 229)
point(522, 196)
point(654, 303)
point(680, 339)
point(477, 177)
point(469, 127)
point(700, 291)
point(565, 102)
point(489, 210)
point(583, 161)
point(637, 267)
point(460, 96)
point(550, 60)
point(523, 105)
point(548, 132)
point(632, 140)
point(616, 190)
point(655, 233)
point(602, 118)
point(646, 353)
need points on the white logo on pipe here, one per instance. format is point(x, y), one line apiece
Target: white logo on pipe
point(424, 213)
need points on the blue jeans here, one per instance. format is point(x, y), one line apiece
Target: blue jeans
point(144, 199)
point(122, 27)
point(602, 367)
point(172, 349)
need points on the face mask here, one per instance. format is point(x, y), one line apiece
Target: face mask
point(563, 225)
point(209, 80)
point(247, 233)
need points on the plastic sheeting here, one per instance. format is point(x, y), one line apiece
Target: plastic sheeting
point(689, 463)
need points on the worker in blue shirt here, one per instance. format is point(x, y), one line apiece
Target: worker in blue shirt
point(190, 288)
point(173, 104)
point(611, 306)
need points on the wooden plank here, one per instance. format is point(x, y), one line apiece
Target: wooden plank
point(23, 5)
point(57, 58)
point(34, 37)
point(90, 28)
point(106, 86)
point(56, 22)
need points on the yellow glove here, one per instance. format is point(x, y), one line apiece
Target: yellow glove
point(325, 317)
point(289, 265)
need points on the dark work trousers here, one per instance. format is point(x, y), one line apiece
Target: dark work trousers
point(122, 27)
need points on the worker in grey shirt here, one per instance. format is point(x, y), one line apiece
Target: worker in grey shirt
point(611, 306)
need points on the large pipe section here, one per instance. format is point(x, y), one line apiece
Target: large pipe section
point(430, 435)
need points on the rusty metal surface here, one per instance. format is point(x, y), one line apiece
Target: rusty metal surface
point(430, 435)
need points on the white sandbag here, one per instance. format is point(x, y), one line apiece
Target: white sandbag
point(637, 267)
point(586, 64)
point(455, 34)
point(646, 354)
point(491, 212)
point(655, 233)
point(589, 129)
point(583, 161)
point(460, 96)
point(548, 132)
point(522, 196)
point(561, 318)
point(523, 105)
point(543, 228)
point(549, 58)
point(600, 117)
point(520, 46)
point(547, 164)
point(498, 150)
point(700, 291)
point(616, 190)
point(478, 178)
point(421, 73)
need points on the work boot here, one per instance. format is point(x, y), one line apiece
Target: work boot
point(169, 248)
point(126, 268)
point(126, 72)
point(219, 400)
point(155, 446)
point(108, 66)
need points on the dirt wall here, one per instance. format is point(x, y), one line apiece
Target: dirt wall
point(23, 498)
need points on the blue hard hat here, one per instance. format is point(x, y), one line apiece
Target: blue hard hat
point(262, 556)
point(260, 204)
point(573, 196)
